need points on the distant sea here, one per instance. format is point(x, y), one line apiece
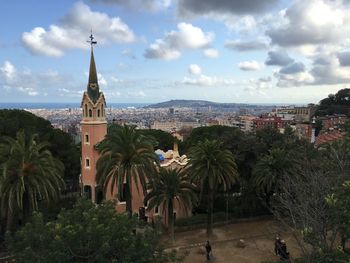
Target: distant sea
point(66, 105)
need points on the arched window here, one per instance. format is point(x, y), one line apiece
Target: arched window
point(86, 111)
point(90, 113)
point(98, 113)
point(86, 138)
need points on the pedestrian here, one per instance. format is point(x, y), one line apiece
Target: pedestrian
point(283, 251)
point(208, 250)
point(277, 245)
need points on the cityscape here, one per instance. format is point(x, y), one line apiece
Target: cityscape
point(175, 131)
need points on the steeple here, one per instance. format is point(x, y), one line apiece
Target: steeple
point(92, 87)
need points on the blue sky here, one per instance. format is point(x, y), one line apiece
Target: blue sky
point(251, 51)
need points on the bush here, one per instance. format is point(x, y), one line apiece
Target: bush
point(86, 233)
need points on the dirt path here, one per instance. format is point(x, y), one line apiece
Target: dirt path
point(258, 238)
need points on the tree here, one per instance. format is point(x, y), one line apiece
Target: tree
point(126, 157)
point(212, 167)
point(163, 140)
point(61, 145)
point(167, 187)
point(338, 103)
point(28, 173)
point(268, 170)
point(339, 203)
point(87, 233)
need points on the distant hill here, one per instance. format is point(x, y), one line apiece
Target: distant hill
point(194, 104)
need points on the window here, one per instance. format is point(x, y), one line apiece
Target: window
point(156, 210)
point(98, 113)
point(86, 110)
point(87, 191)
point(87, 163)
point(90, 113)
point(86, 138)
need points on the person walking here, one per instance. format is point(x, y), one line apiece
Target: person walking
point(208, 250)
point(277, 245)
point(283, 251)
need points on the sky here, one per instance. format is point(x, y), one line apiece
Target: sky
point(251, 51)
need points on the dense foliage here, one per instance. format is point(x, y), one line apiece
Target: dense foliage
point(127, 159)
point(61, 144)
point(167, 188)
point(28, 173)
point(338, 103)
point(87, 233)
point(212, 167)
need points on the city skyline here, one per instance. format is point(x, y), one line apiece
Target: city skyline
point(272, 51)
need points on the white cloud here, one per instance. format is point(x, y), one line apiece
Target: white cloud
point(312, 22)
point(8, 70)
point(250, 65)
point(32, 84)
point(73, 30)
point(101, 80)
point(211, 53)
point(174, 42)
point(194, 69)
point(203, 80)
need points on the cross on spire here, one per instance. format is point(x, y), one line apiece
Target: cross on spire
point(91, 41)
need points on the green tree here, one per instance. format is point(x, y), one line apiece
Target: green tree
point(86, 233)
point(212, 167)
point(268, 170)
point(163, 140)
point(167, 187)
point(126, 157)
point(61, 144)
point(28, 173)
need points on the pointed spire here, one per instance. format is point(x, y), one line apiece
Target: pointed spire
point(92, 87)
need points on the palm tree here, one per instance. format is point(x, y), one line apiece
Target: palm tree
point(28, 173)
point(126, 157)
point(268, 170)
point(213, 167)
point(168, 186)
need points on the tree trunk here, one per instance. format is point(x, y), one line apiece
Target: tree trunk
point(129, 199)
point(171, 220)
point(210, 213)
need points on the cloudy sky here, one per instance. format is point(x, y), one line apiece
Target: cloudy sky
point(251, 51)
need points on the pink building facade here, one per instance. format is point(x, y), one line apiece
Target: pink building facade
point(93, 131)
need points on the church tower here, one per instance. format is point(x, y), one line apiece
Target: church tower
point(93, 130)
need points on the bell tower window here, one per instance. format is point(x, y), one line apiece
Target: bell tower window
point(90, 113)
point(98, 113)
point(87, 138)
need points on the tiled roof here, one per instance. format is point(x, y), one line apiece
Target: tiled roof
point(328, 137)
